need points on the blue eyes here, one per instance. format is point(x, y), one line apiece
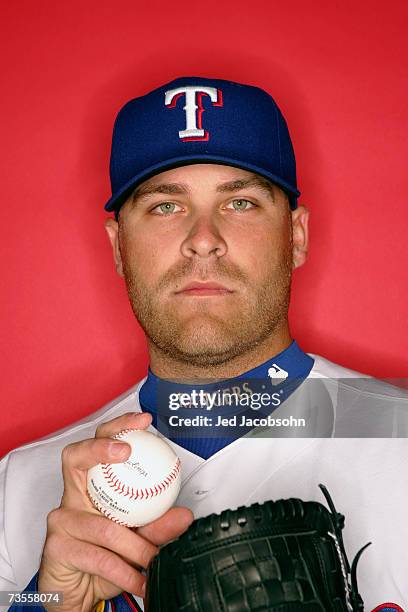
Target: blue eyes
point(167, 208)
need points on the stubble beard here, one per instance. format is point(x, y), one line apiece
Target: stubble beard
point(203, 338)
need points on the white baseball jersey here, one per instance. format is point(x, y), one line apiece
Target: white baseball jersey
point(367, 478)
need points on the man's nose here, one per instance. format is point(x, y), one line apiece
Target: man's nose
point(204, 240)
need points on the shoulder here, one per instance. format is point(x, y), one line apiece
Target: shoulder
point(53, 443)
point(324, 368)
point(351, 384)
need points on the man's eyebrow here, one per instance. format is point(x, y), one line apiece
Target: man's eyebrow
point(254, 181)
point(167, 188)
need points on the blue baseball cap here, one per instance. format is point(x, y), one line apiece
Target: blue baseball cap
point(195, 120)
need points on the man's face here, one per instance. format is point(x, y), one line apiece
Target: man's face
point(213, 224)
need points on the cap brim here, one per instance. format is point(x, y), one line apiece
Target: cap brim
point(120, 196)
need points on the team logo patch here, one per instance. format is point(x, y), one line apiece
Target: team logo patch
point(193, 107)
point(388, 607)
point(277, 374)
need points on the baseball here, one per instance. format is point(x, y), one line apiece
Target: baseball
point(140, 489)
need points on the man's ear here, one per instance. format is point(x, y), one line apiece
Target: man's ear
point(300, 236)
point(112, 229)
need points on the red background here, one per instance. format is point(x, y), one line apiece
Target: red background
point(338, 70)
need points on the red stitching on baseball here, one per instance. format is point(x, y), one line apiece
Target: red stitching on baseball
point(114, 482)
point(123, 433)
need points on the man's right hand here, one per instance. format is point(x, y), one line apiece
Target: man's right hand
point(86, 555)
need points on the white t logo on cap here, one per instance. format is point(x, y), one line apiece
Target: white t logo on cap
point(193, 107)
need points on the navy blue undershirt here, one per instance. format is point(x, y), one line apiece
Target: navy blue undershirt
point(281, 374)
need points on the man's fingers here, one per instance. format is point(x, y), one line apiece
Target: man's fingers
point(78, 457)
point(130, 420)
point(101, 449)
point(101, 531)
point(87, 453)
point(168, 527)
point(95, 561)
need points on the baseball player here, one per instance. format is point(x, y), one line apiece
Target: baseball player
point(206, 233)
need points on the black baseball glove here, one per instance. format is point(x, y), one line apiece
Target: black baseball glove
point(281, 556)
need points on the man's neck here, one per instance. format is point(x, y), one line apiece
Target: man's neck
point(165, 366)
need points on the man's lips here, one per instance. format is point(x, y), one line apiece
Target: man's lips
point(197, 288)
